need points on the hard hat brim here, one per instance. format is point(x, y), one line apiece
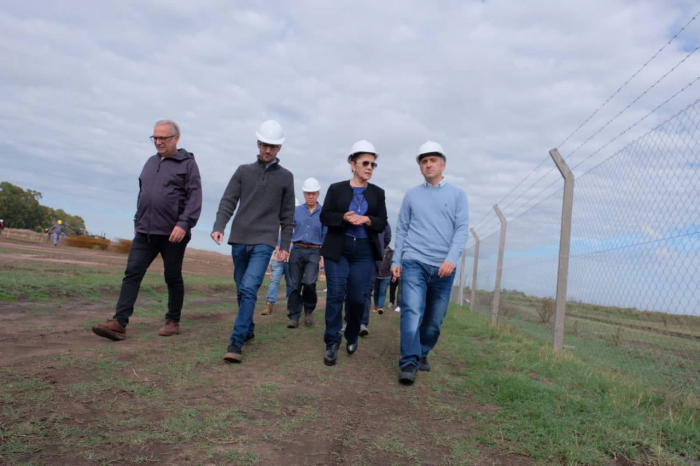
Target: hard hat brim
point(275, 142)
point(419, 157)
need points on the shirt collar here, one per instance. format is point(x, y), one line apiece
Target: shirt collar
point(439, 185)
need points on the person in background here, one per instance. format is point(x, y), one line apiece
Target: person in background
point(382, 281)
point(56, 230)
point(263, 192)
point(305, 259)
point(277, 270)
point(2, 226)
point(430, 236)
point(355, 213)
point(393, 296)
point(168, 207)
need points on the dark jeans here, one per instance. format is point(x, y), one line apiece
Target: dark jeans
point(303, 267)
point(249, 265)
point(143, 251)
point(425, 298)
point(366, 308)
point(348, 279)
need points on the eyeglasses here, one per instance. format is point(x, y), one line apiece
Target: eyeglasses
point(161, 138)
point(367, 163)
point(265, 145)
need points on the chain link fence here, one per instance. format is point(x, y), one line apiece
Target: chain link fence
point(632, 304)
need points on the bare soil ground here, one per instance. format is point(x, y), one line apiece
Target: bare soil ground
point(70, 397)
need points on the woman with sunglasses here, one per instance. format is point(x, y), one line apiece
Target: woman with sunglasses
point(355, 213)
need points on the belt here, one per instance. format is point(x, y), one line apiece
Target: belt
point(307, 245)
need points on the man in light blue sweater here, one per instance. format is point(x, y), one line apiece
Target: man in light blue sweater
point(430, 237)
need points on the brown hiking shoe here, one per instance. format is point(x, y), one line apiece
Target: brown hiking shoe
point(268, 309)
point(309, 319)
point(293, 323)
point(169, 329)
point(110, 329)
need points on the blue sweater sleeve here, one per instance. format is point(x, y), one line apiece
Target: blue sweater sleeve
point(401, 231)
point(459, 240)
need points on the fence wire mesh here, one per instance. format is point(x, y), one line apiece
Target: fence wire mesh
point(634, 267)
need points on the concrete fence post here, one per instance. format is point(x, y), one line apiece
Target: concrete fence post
point(462, 276)
point(472, 303)
point(564, 247)
point(499, 266)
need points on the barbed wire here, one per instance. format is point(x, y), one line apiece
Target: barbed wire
point(634, 101)
point(628, 81)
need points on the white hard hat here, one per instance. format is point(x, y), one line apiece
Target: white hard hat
point(270, 132)
point(362, 147)
point(311, 185)
point(430, 147)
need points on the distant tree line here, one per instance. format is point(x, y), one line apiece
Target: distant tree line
point(20, 208)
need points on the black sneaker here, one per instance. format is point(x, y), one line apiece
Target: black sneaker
point(408, 375)
point(249, 337)
point(233, 354)
point(423, 364)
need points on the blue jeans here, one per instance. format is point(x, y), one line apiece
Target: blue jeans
point(278, 269)
point(380, 286)
point(348, 281)
point(424, 301)
point(249, 265)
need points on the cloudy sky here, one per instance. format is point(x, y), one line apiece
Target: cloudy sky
point(497, 83)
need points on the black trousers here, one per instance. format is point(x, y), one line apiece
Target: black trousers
point(392, 292)
point(144, 250)
point(303, 267)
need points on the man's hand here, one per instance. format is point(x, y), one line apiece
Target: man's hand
point(321, 264)
point(217, 236)
point(282, 256)
point(446, 269)
point(395, 273)
point(177, 235)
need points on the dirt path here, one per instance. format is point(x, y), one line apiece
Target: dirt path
point(79, 399)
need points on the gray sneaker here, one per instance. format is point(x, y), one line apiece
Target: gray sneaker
point(423, 364)
point(408, 375)
point(364, 331)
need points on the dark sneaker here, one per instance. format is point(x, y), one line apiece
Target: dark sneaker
point(233, 354)
point(364, 331)
point(169, 329)
point(309, 320)
point(423, 364)
point(408, 375)
point(331, 355)
point(293, 323)
point(249, 337)
point(110, 329)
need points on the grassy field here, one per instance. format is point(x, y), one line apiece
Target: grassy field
point(661, 350)
point(495, 396)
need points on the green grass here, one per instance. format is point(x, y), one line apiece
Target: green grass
point(556, 408)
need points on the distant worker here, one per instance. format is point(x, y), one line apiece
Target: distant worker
point(430, 236)
point(263, 191)
point(277, 271)
point(355, 213)
point(381, 284)
point(2, 226)
point(168, 207)
point(56, 230)
point(305, 258)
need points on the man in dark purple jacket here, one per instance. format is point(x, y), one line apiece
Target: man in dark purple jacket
point(168, 207)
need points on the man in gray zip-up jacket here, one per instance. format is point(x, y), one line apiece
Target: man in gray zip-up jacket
point(263, 191)
point(168, 207)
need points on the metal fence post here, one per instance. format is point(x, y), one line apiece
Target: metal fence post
point(472, 303)
point(564, 246)
point(499, 266)
point(462, 277)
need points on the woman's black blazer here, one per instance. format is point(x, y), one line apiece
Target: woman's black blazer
point(337, 204)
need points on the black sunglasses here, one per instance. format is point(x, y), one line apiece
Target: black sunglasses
point(367, 163)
